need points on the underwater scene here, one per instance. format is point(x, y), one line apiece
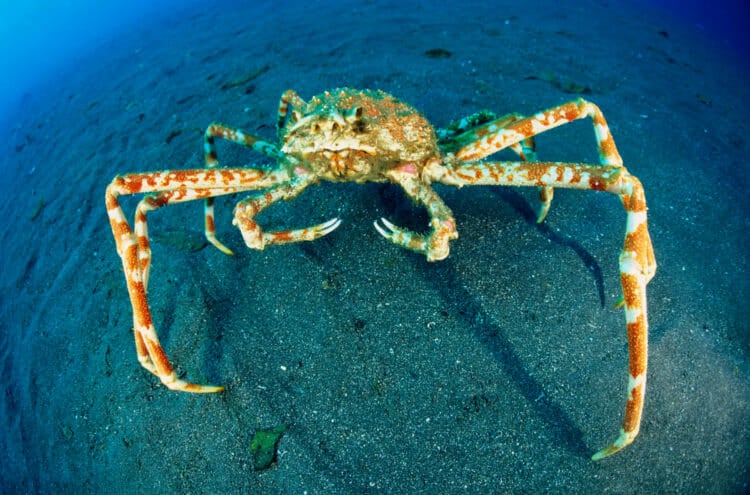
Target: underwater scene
point(375, 247)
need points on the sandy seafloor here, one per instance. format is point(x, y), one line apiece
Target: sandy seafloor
point(498, 370)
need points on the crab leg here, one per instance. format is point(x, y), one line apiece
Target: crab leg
point(435, 245)
point(526, 149)
point(637, 263)
point(510, 130)
point(172, 187)
point(289, 97)
point(236, 136)
point(247, 209)
point(489, 138)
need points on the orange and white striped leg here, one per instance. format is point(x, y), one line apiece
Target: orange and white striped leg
point(526, 149)
point(150, 352)
point(490, 137)
point(637, 268)
point(235, 136)
point(172, 187)
point(454, 136)
point(154, 201)
point(460, 134)
point(637, 263)
point(255, 238)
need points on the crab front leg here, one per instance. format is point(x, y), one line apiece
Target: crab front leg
point(170, 187)
point(290, 97)
point(235, 136)
point(637, 263)
point(435, 245)
point(247, 209)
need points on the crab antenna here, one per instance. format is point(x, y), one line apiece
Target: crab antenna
point(338, 118)
point(300, 122)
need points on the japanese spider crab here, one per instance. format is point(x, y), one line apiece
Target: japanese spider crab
point(348, 135)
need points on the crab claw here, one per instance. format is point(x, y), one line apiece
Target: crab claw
point(325, 228)
point(306, 234)
point(401, 237)
point(434, 246)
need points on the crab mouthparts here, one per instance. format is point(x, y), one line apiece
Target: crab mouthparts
point(338, 150)
point(345, 148)
point(344, 152)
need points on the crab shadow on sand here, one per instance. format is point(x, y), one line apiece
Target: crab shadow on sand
point(494, 336)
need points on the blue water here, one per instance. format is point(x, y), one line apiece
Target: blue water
point(725, 20)
point(40, 37)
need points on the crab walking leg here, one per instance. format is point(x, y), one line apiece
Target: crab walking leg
point(174, 186)
point(210, 227)
point(457, 133)
point(637, 263)
point(443, 226)
point(289, 97)
point(151, 355)
point(490, 138)
point(526, 149)
point(637, 267)
point(152, 202)
point(255, 238)
point(494, 136)
point(236, 136)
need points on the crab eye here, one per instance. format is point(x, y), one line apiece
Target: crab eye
point(316, 127)
point(335, 127)
point(359, 126)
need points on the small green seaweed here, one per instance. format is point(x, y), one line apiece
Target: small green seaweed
point(264, 445)
point(180, 239)
point(38, 209)
point(572, 87)
point(172, 135)
point(566, 85)
point(546, 75)
point(703, 99)
point(238, 81)
point(67, 432)
point(438, 53)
